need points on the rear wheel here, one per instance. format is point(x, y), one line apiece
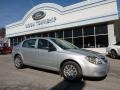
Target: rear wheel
point(113, 54)
point(71, 71)
point(18, 62)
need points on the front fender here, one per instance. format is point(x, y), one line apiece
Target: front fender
point(67, 57)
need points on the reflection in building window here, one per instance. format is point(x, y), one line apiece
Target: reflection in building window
point(39, 35)
point(89, 30)
point(77, 32)
point(45, 34)
point(19, 40)
point(78, 42)
point(67, 33)
point(52, 34)
point(89, 42)
point(22, 38)
point(15, 41)
point(59, 34)
point(101, 41)
point(27, 37)
point(11, 41)
point(32, 36)
point(101, 29)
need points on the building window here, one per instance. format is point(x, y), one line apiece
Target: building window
point(22, 38)
point(32, 36)
point(89, 42)
point(101, 29)
point(11, 42)
point(88, 30)
point(94, 36)
point(15, 41)
point(19, 39)
point(52, 34)
point(67, 33)
point(28, 36)
point(77, 32)
point(59, 34)
point(78, 42)
point(101, 41)
point(39, 35)
point(101, 32)
point(44, 34)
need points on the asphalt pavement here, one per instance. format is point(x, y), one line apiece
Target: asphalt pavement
point(31, 78)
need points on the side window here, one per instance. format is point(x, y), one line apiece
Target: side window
point(44, 44)
point(29, 43)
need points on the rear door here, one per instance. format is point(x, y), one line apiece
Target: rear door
point(29, 51)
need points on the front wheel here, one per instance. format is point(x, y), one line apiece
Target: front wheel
point(71, 71)
point(18, 62)
point(113, 54)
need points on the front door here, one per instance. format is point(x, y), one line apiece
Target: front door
point(47, 54)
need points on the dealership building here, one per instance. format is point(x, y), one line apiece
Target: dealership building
point(90, 24)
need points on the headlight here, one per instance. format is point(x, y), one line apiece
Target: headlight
point(93, 60)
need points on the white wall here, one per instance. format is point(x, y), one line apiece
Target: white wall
point(111, 35)
point(87, 12)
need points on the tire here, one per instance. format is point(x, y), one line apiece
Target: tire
point(71, 71)
point(18, 62)
point(113, 54)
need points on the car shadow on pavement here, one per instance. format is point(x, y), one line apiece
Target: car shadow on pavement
point(67, 85)
point(94, 78)
point(41, 69)
point(74, 85)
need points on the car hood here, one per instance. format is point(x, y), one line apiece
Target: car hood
point(86, 52)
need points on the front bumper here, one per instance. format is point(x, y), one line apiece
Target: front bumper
point(92, 70)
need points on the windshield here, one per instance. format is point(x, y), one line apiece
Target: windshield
point(64, 44)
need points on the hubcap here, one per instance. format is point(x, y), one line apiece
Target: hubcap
point(18, 62)
point(70, 72)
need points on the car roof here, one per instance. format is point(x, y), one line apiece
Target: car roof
point(48, 38)
point(40, 38)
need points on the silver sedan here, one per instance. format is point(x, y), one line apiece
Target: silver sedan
point(59, 55)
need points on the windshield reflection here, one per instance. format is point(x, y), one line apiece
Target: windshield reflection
point(64, 44)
